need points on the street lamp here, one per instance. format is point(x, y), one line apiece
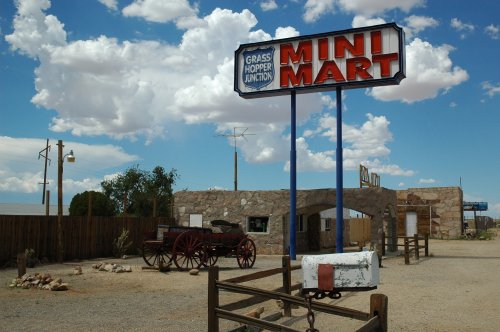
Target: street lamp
point(60, 160)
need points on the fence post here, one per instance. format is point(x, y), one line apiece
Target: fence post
point(287, 284)
point(21, 264)
point(383, 243)
point(426, 242)
point(407, 251)
point(417, 247)
point(378, 307)
point(213, 298)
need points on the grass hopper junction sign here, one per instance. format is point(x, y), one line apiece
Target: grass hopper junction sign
point(354, 58)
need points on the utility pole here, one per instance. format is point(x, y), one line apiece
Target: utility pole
point(47, 149)
point(234, 135)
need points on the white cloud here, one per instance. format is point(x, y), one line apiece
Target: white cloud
point(464, 28)
point(286, 32)
point(362, 21)
point(493, 31)
point(268, 5)
point(21, 172)
point(364, 144)
point(426, 181)
point(491, 89)
point(133, 89)
point(314, 9)
point(33, 30)
point(401, 184)
point(378, 167)
point(110, 4)
point(429, 70)
point(370, 7)
point(416, 24)
point(160, 11)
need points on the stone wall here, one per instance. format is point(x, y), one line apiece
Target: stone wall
point(439, 210)
point(238, 206)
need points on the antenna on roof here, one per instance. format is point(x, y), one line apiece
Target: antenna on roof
point(242, 133)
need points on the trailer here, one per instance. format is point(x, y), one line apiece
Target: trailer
point(196, 247)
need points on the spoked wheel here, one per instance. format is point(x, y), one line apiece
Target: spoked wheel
point(153, 253)
point(246, 253)
point(211, 257)
point(188, 252)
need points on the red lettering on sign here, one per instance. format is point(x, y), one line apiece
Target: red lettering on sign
point(358, 67)
point(303, 75)
point(385, 63)
point(342, 44)
point(304, 53)
point(323, 49)
point(329, 71)
point(376, 41)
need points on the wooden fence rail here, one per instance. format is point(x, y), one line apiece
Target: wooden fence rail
point(83, 237)
point(376, 319)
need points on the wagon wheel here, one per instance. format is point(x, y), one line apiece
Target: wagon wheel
point(188, 251)
point(246, 253)
point(211, 258)
point(154, 253)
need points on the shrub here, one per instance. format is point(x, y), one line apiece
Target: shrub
point(120, 244)
point(31, 259)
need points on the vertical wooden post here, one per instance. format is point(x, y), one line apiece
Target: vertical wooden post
point(426, 243)
point(154, 206)
point(89, 207)
point(378, 307)
point(21, 264)
point(60, 250)
point(417, 247)
point(47, 203)
point(407, 251)
point(213, 298)
point(383, 243)
point(287, 284)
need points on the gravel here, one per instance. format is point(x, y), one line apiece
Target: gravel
point(455, 289)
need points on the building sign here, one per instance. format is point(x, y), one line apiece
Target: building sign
point(366, 179)
point(475, 206)
point(362, 57)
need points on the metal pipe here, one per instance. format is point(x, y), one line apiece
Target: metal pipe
point(293, 176)
point(339, 240)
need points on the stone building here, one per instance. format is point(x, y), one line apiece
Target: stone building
point(264, 215)
point(435, 211)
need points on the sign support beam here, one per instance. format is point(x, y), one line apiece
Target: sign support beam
point(339, 225)
point(293, 175)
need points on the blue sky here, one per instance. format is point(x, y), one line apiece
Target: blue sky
point(150, 83)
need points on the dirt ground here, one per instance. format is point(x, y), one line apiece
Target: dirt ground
point(455, 289)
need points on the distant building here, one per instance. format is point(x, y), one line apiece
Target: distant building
point(435, 211)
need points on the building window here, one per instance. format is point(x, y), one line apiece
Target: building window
point(258, 224)
point(301, 225)
point(328, 224)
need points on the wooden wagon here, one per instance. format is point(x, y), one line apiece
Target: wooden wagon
point(195, 247)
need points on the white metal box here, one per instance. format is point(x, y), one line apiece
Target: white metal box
point(346, 271)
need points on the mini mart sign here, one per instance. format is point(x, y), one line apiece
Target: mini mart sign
point(354, 58)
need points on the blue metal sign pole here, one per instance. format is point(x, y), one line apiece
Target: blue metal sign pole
point(293, 176)
point(339, 240)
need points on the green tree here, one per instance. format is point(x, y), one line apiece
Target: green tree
point(101, 204)
point(142, 193)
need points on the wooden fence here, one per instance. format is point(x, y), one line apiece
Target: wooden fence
point(82, 237)
point(411, 244)
point(375, 320)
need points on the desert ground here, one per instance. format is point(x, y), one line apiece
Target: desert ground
point(456, 288)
